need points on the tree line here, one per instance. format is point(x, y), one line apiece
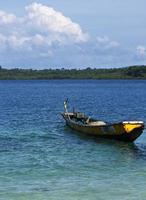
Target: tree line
point(132, 72)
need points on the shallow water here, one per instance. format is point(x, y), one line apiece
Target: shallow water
point(41, 159)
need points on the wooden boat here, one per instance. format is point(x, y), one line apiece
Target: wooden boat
point(124, 131)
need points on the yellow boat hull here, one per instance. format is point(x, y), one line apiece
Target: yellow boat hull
point(125, 131)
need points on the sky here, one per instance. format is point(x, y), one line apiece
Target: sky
point(72, 34)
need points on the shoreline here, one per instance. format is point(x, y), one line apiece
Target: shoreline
point(125, 73)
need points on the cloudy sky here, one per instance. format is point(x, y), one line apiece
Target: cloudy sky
point(72, 34)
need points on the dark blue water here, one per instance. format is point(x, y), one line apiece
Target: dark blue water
point(41, 159)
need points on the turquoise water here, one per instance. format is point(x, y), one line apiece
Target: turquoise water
point(41, 159)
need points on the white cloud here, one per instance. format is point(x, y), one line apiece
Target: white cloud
point(6, 18)
point(141, 51)
point(2, 39)
point(42, 26)
point(106, 43)
point(38, 40)
point(2, 43)
point(47, 19)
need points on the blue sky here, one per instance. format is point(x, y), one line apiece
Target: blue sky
point(72, 34)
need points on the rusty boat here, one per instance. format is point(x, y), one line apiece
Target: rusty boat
point(127, 131)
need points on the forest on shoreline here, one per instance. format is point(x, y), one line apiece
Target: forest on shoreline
point(131, 72)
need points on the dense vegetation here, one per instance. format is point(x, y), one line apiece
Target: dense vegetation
point(133, 72)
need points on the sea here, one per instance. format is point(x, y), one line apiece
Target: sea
point(42, 159)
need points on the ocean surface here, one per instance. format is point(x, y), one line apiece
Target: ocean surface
point(42, 159)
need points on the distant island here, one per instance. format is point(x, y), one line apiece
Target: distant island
point(132, 72)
